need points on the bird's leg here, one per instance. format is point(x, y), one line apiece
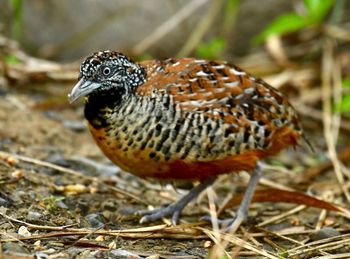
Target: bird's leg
point(242, 212)
point(175, 208)
point(232, 225)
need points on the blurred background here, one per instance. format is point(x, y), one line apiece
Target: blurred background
point(67, 30)
point(301, 47)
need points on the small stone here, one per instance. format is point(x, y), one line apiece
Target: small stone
point(77, 126)
point(324, 233)
point(38, 246)
point(107, 214)
point(17, 174)
point(61, 205)
point(122, 254)
point(95, 220)
point(33, 216)
point(112, 245)
point(100, 238)
point(23, 231)
point(93, 190)
point(11, 160)
point(4, 202)
point(208, 244)
point(10, 247)
point(58, 159)
point(72, 189)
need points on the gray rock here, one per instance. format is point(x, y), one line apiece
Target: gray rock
point(122, 254)
point(323, 233)
point(33, 216)
point(4, 202)
point(14, 247)
point(95, 220)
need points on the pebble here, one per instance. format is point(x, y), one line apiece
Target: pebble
point(58, 159)
point(61, 205)
point(24, 232)
point(324, 233)
point(77, 126)
point(95, 220)
point(33, 216)
point(4, 202)
point(14, 248)
point(122, 254)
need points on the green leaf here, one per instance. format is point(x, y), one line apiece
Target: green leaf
point(318, 9)
point(344, 105)
point(283, 24)
point(144, 56)
point(291, 22)
point(212, 49)
point(11, 60)
point(346, 82)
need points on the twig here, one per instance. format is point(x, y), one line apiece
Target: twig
point(185, 231)
point(337, 32)
point(337, 256)
point(168, 25)
point(33, 225)
point(274, 46)
point(213, 212)
point(240, 242)
point(202, 27)
point(282, 215)
point(282, 236)
point(318, 245)
point(330, 121)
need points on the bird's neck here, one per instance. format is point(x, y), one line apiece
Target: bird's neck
point(97, 105)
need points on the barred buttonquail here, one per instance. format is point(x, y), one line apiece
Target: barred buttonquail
point(184, 119)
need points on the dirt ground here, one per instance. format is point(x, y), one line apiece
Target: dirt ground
point(61, 198)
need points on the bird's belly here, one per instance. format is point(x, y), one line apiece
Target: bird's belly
point(140, 163)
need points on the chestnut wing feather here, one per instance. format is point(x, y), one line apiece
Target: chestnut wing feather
point(250, 114)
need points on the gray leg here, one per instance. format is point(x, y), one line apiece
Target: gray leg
point(232, 225)
point(242, 212)
point(175, 208)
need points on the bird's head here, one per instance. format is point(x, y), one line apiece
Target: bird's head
point(107, 71)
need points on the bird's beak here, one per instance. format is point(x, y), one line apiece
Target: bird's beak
point(82, 88)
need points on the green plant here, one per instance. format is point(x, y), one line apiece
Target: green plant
point(212, 49)
point(51, 202)
point(11, 59)
point(16, 6)
point(344, 105)
point(316, 11)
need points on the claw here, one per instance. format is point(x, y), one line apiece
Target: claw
point(174, 209)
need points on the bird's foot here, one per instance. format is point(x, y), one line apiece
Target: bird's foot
point(175, 208)
point(228, 225)
point(172, 210)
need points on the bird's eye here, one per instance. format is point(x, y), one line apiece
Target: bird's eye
point(106, 71)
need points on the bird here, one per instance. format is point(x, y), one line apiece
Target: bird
point(184, 119)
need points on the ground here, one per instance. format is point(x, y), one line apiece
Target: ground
point(61, 198)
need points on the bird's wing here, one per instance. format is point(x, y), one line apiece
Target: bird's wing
point(220, 90)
